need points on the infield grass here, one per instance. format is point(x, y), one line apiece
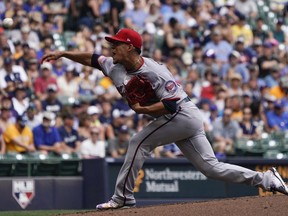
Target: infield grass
point(39, 213)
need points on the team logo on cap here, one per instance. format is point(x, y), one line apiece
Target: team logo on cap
point(171, 86)
point(23, 191)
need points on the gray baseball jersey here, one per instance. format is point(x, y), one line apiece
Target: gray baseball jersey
point(162, 82)
point(184, 127)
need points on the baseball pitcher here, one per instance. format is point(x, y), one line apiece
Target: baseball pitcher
point(150, 89)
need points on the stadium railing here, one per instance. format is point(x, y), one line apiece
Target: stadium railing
point(36, 164)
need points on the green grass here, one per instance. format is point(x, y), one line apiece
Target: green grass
point(39, 213)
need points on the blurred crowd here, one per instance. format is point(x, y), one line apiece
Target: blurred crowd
point(231, 56)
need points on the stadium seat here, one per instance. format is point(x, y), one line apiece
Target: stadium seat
point(59, 41)
point(278, 135)
point(274, 154)
point(64, 99)
point(67, 37)
point(70, 167)
point(246, 147)
point(261, 12)
point(6, 166)
point(46, 166)
point(22, 169)
point(22, 165)
point(285, 143)
point(271, 144)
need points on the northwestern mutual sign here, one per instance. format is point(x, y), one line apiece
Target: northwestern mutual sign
point(165, 180)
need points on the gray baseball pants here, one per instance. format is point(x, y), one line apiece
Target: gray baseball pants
point(185, 128)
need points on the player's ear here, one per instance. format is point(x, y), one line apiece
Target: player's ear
point(131, 47)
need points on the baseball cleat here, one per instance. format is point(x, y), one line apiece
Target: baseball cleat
point(111, 204)
point(277, 184)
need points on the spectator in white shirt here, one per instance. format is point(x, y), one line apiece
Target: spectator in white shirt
point(247, 7)
point(20, 101)
point(68, 84)
point(93, 147)
point(11, 75)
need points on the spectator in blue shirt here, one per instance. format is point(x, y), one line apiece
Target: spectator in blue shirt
point(171, 151)
point(208, 63)
point(32, 6)
point(222, 48)
point(135, 18)
point(273, 79)
point(235, 65)
point(166, 7)
point(69, 136)
point(177, 13)
point(59, 68)
point(51, 103)
point(278, 118)
point(46, 137)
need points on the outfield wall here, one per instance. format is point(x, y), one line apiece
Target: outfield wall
point(160, 181)
point(174, 180)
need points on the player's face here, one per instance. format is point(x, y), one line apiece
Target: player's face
point(119, 52)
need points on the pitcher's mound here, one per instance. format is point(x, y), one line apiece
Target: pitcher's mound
point(244, 206)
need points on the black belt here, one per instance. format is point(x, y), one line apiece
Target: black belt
point(187, 99)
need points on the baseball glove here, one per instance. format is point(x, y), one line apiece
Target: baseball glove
point(139, 90)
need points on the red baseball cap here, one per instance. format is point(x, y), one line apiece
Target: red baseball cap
point(128, 36)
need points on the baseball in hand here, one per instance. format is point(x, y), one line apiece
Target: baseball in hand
point(7, 22)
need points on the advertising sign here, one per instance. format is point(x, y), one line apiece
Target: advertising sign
point(171, 181)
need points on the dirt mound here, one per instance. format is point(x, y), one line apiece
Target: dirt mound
point(268, 205)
